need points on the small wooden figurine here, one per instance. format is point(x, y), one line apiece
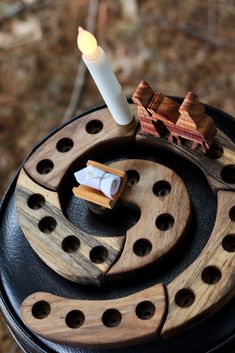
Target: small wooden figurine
point(159, 114)
point(156, 112)
point(193, 124)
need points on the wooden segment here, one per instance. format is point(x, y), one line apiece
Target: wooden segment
point(209, 281)
point(130, 320)
point(164, 218)
point(218, 164)
point(51, 160)
point(49, 234)
point(96, 196)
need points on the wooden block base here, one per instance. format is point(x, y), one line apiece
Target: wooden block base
point(96, 196)
point(164, 204)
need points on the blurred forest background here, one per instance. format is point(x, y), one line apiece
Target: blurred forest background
point(176, 45)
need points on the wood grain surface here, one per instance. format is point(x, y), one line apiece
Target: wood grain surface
point(208, 283)
point(97, 196)
point(99, 323)
point(165, 213)
point(50, 162)
point(63, 247)
point(218, 164)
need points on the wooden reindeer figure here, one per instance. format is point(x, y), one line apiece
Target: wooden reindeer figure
point(164, 112)
point(142, 97)
point(155, 111)
point(193, 124)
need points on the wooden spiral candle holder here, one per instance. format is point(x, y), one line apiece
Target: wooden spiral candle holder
point(164, 203)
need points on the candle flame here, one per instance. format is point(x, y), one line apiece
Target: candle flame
point(86, 42)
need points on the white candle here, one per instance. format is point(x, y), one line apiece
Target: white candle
point(95, 59)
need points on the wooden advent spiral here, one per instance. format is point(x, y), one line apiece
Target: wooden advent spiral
point(206, 285)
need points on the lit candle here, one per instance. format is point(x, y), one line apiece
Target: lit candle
point(95, 59)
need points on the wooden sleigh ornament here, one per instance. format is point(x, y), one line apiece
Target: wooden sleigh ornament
point(160, 115)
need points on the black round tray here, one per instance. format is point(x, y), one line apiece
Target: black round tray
point(23, 272)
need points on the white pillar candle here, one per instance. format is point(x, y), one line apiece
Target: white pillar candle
point(96, 61)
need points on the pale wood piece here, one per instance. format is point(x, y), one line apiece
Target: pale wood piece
point(176, 203)
point(83, 142)
point(187, 121)
point(93, 333)
point(211, 167)
point(208, 297)
point(75, 266)
point(193, 124)
point(96, 196)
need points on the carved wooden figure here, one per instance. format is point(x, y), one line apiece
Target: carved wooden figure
point(142, 97)
point(193, 124)
point(156, 112)
point(159, 114)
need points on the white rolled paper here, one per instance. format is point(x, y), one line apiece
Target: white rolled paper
point(98, 179)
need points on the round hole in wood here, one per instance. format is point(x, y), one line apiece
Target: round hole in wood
point(75, 319)
point(64, 145)
point(228, 243)
point(47, 224)
point(184, 298)
point(215, 151)
point(94, 126)
point(142, 247)
point(99, 254)
point(164, 222)
point(211, 275)
point(232, 213)
point(41, 310)
point(228, 174)
point(70, 244)
point(145, 310)
point(45, 166)
point(133, 177)
point(36, 201)
point(161, 188)
point(111, 318)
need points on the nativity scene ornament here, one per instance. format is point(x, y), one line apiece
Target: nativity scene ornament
point(161, 116)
